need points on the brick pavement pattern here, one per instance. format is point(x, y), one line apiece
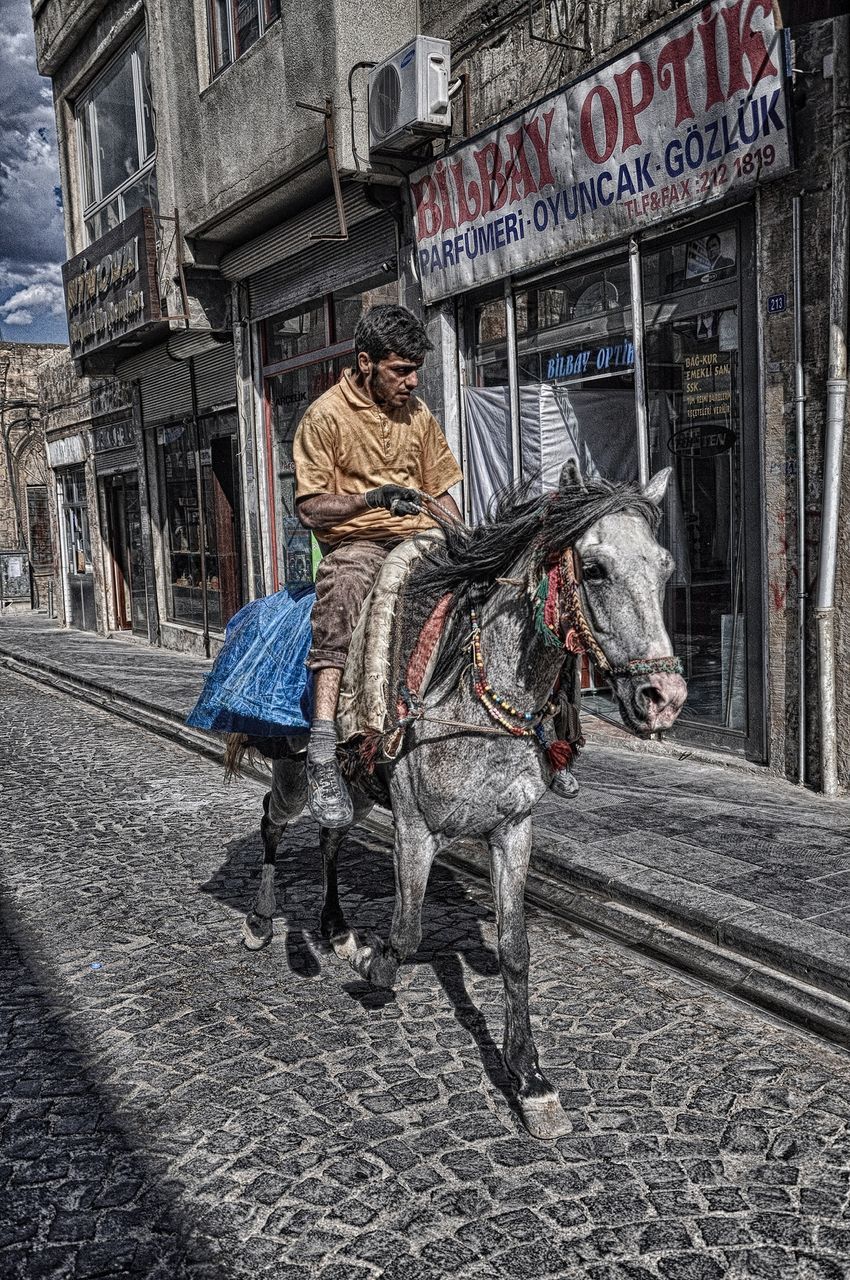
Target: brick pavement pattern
point(174, 1106)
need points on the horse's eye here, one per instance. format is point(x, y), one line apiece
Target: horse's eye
point(594, 572)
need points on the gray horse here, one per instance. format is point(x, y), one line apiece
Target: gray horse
point(546, 577)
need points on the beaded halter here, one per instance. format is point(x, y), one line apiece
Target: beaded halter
point(561, 622)
point(562, 614)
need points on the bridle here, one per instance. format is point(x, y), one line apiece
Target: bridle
point(562, 621)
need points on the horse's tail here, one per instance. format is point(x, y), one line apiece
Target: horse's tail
point(237, 745)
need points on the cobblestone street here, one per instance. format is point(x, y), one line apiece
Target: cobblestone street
point(175, 1106)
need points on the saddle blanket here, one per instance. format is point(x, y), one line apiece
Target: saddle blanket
point(395, 643)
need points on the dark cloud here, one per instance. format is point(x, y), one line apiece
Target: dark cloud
point(32, 243)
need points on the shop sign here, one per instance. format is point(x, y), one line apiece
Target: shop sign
point(611, 357)
point(707, 385)
point(694, 113)
point(67, 452)
point(114, 435)
point(702, 441)
point(111, 289)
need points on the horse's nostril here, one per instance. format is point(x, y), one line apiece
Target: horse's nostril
point(654, 695)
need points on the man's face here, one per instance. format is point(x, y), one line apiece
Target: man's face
point(392, 381)
point(712, 247)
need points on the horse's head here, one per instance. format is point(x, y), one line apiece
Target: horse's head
point(622, 572)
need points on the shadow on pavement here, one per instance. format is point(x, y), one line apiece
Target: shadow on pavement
point(76, 1196)
point(366, 892)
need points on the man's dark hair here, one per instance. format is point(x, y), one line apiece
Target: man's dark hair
point(389, 328)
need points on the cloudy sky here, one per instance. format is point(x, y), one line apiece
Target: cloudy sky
point(32, 245)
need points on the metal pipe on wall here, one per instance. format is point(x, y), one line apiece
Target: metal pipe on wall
point(836, 405)
point(640, 369)
point(513, 383)
point(800, 431)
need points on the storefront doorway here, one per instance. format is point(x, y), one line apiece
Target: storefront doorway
point(200, 478)
point(551, 375)
point(124, 536)
point(77, 567)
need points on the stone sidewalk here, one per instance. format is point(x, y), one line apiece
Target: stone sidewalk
point(724, 871)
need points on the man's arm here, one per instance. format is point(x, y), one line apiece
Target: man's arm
point(323, 510)
point(447, 502)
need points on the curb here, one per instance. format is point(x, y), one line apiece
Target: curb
point(551, 886)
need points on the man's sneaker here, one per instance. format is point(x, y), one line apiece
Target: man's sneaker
point(327, 795)
point(563, 784)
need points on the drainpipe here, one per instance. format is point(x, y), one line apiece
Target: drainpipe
point(644, 460)
point(800, 431)
point(836, 404)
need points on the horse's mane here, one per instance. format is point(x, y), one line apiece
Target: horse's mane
point(470, 560)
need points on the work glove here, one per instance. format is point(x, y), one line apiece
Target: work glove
point(395, 498)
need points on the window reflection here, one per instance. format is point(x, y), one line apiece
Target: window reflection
point(691, 308)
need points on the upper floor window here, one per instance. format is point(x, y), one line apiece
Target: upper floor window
point(235, 25)
point(115, 130)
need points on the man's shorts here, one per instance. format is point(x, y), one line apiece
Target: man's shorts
point(343, 581)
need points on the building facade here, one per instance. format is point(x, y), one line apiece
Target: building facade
point(27, 551)
point(627, 249)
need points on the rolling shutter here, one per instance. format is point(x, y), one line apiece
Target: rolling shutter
point(324, 267)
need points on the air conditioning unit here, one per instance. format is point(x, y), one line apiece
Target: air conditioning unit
point(409, 95)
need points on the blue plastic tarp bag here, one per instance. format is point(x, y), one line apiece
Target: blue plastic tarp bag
point(259, 684)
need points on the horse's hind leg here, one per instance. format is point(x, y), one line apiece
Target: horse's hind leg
point(510, 850)
point(284, 802)
point(332, 921)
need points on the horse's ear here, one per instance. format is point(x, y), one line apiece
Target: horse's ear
point(657, 486)
point(570, 477)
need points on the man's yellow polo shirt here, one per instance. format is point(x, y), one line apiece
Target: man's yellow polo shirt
point(345, 443)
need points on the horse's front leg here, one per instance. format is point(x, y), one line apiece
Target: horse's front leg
point(413, 853)
point(510, 850)
point(281, 805)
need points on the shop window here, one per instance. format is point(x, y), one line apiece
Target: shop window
point(75, 516)
point(575, 365)
point(38, 520)
point(234, 25)
point(115, 132)
point(202, 515)
point(692, 347)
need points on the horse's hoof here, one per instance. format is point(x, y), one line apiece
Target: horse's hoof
point(345, 945)
point(544, 1117)
point(256, 932)
point(361, 960)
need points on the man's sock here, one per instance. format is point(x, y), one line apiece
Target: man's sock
point(322, 745)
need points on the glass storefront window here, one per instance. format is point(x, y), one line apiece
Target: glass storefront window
point(75, 516)
point(575, 360)
point(490, 356)
point(349, 304)
point(575, 389)
point(296, 334)
point(288, 396)
point(215, 574)
point(692, 341)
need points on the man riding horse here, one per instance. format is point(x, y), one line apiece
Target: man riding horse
point(365, 452)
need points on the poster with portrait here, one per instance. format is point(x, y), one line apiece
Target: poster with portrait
point(711, 257)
